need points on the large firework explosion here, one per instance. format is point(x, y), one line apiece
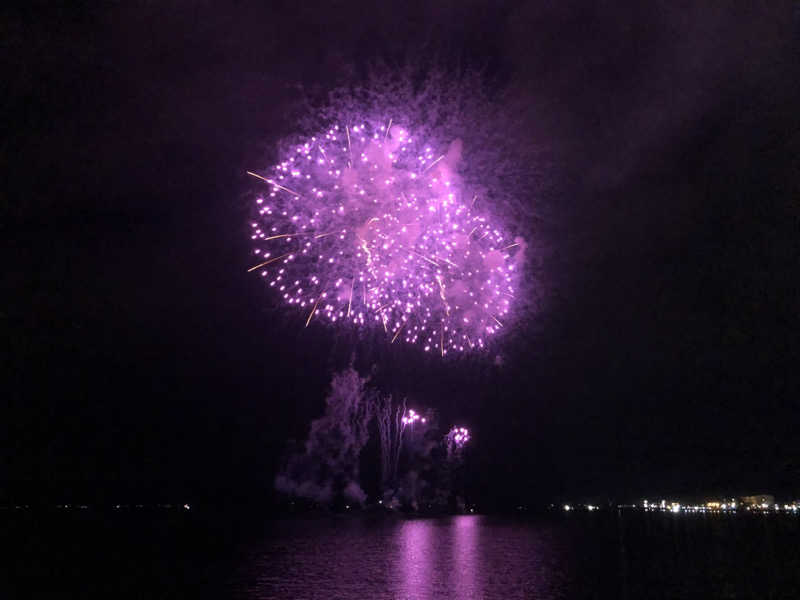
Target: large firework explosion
point(367, 225)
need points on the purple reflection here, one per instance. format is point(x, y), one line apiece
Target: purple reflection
point(416, 567)
point(465, 557)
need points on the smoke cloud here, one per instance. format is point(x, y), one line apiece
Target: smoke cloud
point(327, 470)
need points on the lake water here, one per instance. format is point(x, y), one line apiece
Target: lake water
point(600, 555)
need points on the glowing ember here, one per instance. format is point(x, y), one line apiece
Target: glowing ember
point(367, 226)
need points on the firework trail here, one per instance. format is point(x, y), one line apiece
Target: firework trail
point(392, 424)
point(367, 226)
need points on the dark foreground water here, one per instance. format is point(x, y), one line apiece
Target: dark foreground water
point(601, 555)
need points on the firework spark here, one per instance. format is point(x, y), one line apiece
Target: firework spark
point(372, 204)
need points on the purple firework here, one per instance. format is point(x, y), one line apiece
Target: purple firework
point(459, 436)
point(455, 440)
point(412, 417)
point(368, 226)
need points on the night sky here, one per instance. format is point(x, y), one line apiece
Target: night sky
point(142, 361)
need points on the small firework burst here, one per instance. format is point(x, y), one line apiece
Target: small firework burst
point(459, 436)
point(412, 417)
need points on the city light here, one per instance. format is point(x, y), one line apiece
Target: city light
point(744, 505)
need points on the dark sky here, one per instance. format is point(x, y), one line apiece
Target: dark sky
point(141, 360)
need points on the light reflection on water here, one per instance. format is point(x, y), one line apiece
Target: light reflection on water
point(416, 564)
point(600, 556)
point(446, 570)
point(609, 554)
point(465, 547)
point(417, 559)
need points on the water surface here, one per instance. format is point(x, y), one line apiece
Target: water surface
point(581, 556)
point(202, 555)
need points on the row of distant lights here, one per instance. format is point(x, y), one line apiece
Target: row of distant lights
point(115, 506)
point(589, 507)
point(713, 507)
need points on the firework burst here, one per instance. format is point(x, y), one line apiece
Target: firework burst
point(455, 440)
point(367, 226)
point(458, 436)
point(412, 417)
